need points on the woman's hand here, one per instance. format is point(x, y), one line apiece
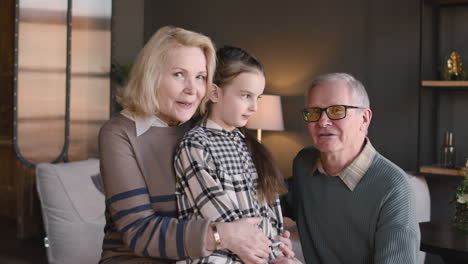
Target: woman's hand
point(245, 239)
point(286, 247)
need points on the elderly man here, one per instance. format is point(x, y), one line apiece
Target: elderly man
point(351, 204)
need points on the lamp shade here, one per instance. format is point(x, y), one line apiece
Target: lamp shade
point(269, 115)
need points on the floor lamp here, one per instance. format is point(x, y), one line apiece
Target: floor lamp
point(269, 115)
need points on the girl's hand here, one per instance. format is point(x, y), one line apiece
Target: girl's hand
point(286, 247)
point(285, 260)
point(245, 239)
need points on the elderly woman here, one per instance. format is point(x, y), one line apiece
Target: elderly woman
point(167, 83)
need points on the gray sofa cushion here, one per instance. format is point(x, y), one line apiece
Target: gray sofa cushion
point(72, 211)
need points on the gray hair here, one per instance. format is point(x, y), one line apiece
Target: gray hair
point(358, 92)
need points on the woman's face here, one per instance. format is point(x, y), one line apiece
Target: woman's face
point(182, 84)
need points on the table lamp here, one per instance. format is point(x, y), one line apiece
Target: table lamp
point(269, 115)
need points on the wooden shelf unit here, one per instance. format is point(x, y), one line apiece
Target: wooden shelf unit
point(440, 98)
point(434, 169)
point(429, 83)
point(447, 2)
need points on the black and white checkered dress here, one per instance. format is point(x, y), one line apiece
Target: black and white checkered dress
point(216, 179)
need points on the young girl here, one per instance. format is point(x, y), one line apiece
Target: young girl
point(223, 173)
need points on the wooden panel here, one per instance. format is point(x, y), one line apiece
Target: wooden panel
point(6, 109)
point(17, 194)
point(7, 155)
point(7, 181)
point(7, 18)
point(18, 198)
point(28, 221)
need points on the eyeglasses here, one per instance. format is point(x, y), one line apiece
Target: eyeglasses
point(334, 112)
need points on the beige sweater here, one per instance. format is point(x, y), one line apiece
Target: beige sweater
point(141, 207)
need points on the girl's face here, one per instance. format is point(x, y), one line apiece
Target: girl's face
point(235, 103)
point(182, 84)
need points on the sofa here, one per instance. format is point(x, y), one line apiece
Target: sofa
point(73, 207)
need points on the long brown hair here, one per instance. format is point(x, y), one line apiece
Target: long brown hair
point(232, 61)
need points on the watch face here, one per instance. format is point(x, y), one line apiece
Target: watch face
point(216, 236)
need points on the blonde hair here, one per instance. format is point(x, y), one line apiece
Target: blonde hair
point(138, 95)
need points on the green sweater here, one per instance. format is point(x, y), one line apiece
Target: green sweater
point(375, 223)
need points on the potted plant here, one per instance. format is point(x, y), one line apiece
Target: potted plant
point(461, 205)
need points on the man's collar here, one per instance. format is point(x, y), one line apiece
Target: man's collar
point(353, 173)
point(143, 124)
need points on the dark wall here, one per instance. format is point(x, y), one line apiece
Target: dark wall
point(376, 41)
point(127, 30)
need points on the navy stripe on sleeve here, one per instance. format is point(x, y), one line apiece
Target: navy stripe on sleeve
point(116, 242)
point(138, 234)
point(163, 198)
point(135, 223)
point(180, 239)
point(120, 250)
point(136, 209)
point(172, 214)
point(145, 252)
point(125, 195)
point(162, 237)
